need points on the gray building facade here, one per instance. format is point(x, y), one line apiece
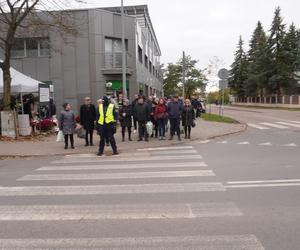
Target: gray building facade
point(90, 63)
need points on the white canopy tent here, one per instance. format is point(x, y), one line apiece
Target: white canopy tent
point(20, 83)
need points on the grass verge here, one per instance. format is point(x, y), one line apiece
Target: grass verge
point(217, 118)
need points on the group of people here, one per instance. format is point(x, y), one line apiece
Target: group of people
point(162, 114)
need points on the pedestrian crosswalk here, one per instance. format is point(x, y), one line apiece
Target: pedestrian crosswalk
point(275, 125)
point(54, 189)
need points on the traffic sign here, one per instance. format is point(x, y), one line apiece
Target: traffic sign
point(223, 74)
point(223, 84)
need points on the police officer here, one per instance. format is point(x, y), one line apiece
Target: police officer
point(106, 125)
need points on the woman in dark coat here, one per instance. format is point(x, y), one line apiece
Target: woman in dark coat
point(188, 118)
point(67, 124)
point(125, 117)
point(87, 120)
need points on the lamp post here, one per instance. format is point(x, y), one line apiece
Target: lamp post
point(123, 53)
point(183, 75)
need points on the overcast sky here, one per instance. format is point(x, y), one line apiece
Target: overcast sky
point(207, 29)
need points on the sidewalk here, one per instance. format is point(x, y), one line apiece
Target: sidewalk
point(49, 147)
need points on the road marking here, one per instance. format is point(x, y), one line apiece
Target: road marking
point(164, 148)
point(117, 212)
point(264, 181)
point(112, 176)
point(203, 142)
point(295, 121)
point(171, 152)
point(265, 144)
point(256, 126)
point(289, 124)
point(274, 125)
point(123, 166)
point(291, 145)
point(264, 185)
point(201, 242)
point(113, 189)
point(243, 143)
point(222, 142)
point(128, 159)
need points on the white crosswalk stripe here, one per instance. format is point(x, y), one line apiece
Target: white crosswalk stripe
point(131, 175)
point(257, 126)
point(203, 242)
point(156, 164)
point(275, 125)
point(289, 124)
point(123, 166)
point(117, 212)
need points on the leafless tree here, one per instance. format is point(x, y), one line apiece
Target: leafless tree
point(25, 16)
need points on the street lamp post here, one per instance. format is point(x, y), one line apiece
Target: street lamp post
point(123, 53)
point(183, 75)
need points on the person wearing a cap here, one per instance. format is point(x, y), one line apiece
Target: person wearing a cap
point(106, 122)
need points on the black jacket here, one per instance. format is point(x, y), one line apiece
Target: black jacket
point(88, 116)
point(188, 115)
point(127, 120)
point(142, 112)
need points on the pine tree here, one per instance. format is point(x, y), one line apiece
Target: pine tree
point(278, 79)
point(238, 72)
point(258, 63)
point(292, 59)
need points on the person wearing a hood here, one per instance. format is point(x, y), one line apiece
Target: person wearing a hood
point(106, 121)
point(160, 116)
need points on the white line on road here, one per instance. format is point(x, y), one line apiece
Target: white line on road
point(289, 124)
point(291, 145)
point(243, 143)
point(112, 176)
point(173, 152)
point(201, 242)
point(203, 142)
point(274, 125)
point(117, 212)
point(165, 148)
point(113, 189)
point(257, 126)
point(264, 181)
point(127, 159)
point(265, 144)
point(222, 142)
point(123, 166)
point(264, 185)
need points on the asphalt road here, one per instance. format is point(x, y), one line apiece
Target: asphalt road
point(233, 193)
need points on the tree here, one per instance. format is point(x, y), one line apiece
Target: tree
point(29, 15)
point(195, 78)
point(278, 55)
point(238, 72)
point(258, 69)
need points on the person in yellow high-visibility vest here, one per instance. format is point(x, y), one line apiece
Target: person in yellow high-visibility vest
point(106, 124)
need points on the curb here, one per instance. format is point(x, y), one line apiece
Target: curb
point(171, 144)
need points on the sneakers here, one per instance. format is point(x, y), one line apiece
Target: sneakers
point(134, 131)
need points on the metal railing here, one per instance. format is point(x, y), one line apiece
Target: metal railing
point(114, 60)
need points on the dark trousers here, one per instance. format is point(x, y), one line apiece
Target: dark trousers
point(89, 133)
point(71, 140)
point(187, 131)
point(135, 123)
point(106, 130)
point(161, 126)
point(123, 132)
point(142, 130)
point(175, 126)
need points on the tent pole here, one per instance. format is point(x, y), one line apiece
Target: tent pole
point(22, 103)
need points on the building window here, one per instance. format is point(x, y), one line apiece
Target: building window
point(140, 54)
point(113, 52)
point(31, 47)
point(44, 47)
point(146, 61)
point(18, 49)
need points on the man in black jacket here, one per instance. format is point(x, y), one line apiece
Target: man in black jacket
point(87, 120)
point(142, 115)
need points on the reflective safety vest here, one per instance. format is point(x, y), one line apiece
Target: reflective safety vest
point(109, 117)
